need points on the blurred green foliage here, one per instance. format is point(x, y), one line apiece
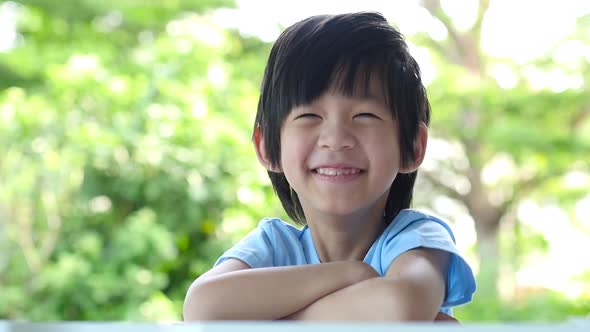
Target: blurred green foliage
point(546, 307)
point(126, 166)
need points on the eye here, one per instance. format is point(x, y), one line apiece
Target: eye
point(367, 115)
point(308, 116)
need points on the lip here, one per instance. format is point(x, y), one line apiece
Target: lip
point(337, 166)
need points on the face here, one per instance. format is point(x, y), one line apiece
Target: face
point(341, 154)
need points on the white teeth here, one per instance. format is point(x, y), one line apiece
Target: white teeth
point(338, 171)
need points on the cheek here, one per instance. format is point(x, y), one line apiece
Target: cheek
point(292, 157)
point(385, 148)
point(291, 147)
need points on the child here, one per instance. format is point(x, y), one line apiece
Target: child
point(341, 128)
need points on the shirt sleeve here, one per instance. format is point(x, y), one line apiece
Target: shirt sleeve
point(272, 243)
point(434, 234)
point(255, 249)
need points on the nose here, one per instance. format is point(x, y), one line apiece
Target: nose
point(336, 136)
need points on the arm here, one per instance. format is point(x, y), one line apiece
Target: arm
point(413, 289)
point(232, 290)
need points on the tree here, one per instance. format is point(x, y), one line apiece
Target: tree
point(538, 137)
point(124, 155)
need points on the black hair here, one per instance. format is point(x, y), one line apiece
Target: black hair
point(341, 52)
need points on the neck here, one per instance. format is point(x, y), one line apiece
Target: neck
point(345, 238)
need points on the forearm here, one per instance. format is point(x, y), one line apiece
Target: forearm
point(375, 299)
point(269, 293)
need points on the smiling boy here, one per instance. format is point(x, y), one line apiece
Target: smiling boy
point(342, 129)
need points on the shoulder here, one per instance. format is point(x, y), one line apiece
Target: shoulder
point(279, 227)
point(273, 242)
point(422, 228)
point(274, 231)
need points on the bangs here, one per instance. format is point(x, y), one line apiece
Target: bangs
point(339, 72)
point(338, 54)
point(360, 80)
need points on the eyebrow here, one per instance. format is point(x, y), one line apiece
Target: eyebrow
point(361, 99)
point(368, 97)
point(363, 94)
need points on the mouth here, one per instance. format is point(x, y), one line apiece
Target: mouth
point(338, 171)
point(337, 174)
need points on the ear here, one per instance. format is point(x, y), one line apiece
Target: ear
point(261, 152)
point(419, 150)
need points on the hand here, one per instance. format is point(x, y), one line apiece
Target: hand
point(362, 271)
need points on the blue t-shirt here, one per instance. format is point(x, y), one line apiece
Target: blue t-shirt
point(277, 243)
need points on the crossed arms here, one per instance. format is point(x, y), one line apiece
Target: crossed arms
point(413, 289)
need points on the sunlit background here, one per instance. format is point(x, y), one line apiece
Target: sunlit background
point(126, 166)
